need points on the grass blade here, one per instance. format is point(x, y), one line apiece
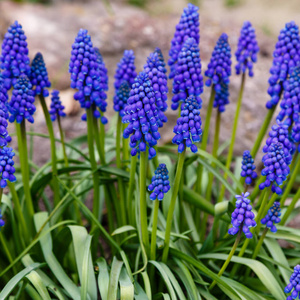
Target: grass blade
point(37, 282)
point(113, 279)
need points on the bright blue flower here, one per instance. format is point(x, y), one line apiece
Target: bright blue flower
point(2, 223)
point(246, 53)
point(285, 57)
point(248, 167)
point(141, 113)
point(294, 285)
point(276, 169)
point(3, 95)
point(7, 169)
point(159, 83)
point(103, 71)
point(160, 184)
point(188, 80)
point(290, 103)
point(188, 27)
point(242, 217)
point(188, 128)
point(121, 97)
point(272, 217)
point(161, 59)
point(295, 134)
point(14, 59)
point(4, 137)
point(21, 105)
point(39, 76)
point(222, 98)
point(56, 108)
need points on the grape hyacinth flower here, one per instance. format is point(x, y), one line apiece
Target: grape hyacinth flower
point(121, 97)
point(4, 136)
point(56, 108)
point(21, 105)
point(294, 284)
point(7, 169)
point(14, 59)
point(246, 53)
point(295, 134)
point(188, 27)
point(161, 59)
point(188, 128)
point(159, 84)
point(2, 223)
point(141, 113)
point(272, 217)
point(160, 184)
point(285, 57)
point(242, 217)
point(3, 98)
point(188, 80)
point(103, 71)
point(248, 167)
point(222, 98)
point(39, 76)
point(276, 168)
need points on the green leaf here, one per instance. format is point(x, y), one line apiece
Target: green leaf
point(103, 278)
point(139, 293)
point(37, 282)
point(113, 279)
point(126, 286)
point(123, 229)
point(147, 285)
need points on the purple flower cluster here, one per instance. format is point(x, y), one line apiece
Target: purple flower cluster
point(103, 71)
point(248, 167)
point(39, 76)
point(3, 96)
point(242, 217)
point(222, 98)
point(56, 108)
point(160, 184)
point(276, 168)
point(246, 53)
point(14, 59)
point(141, 113)
point(272, 217)
point(7, 169)
point(121, 97)
point(285, 57)
point(21, 105)
point(188, 27)
point(294, 285)
point(188, 80)
point(4, 136)
point(161, 59)
point(188, 128)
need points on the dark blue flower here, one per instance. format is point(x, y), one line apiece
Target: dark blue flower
point(159, 84)
point(161, 59)
point(248, 167)
point(276, 169)
point(56, 108)
point(295, 134)
point(290, 103)
point(121, 97)
point(222, 98)
point(4, 137)
point(21, 105)
point(188, 80)
point(294, 285)
point(188, 128)
point(272, 217)
point(39, 76)
point(246, 53)
point(242, 217)
point(3, 95)
point(14, 59)
point(188, 27)
point(141, 113)
point(285, 57)
point(7, 169)
point(160, 184)
point(2, 223)
point(103, 71)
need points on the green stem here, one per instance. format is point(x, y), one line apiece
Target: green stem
point(98, 139)
point(125, 144)
point(262, 208)
point(172, 205)
point(256, 190)
point(62, 138)
point(102, 140)
point(290, 207)
point(154, 229)
point(130, 197)
point(241, 253)
point(155, 159)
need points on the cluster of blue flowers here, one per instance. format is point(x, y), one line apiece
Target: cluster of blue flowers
point(246, 53)
point(56, 108)
point(4, 136)
point(141, 113)
point(14, 59)
point(39, 76)
point(188, 128)
point(296, 134)
point(161, 59)
point(273, 217)
point(103, 72)
point(188, 27)
point(160, 184)
point(2, 223)
point(242, 217)
point(294, 285)
point(248, 167)
point(7, 169)
point(222, 98)
point(285, 57)
point(188, 80)
point(121, 97)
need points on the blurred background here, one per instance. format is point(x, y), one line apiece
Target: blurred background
point(51, 27)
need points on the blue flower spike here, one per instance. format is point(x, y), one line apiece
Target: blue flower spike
point(296, 134)
point(286, 56)
point(248, 167)
point(247, 49)
point(2, 223)
point(188, 27)
point(103, 70)
point(21, 105)
point(160, 184)
point(161, 59)
point(3, 92)
point(14, 59)
point(39, 76)
point(294, 285)
point(188, 80)
point(7, 169)
point(272, 217)
point(188, 128)
point(141, 114)
point(56, 108)
point(242, 217)
point(222, 98)
point(121, 97)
